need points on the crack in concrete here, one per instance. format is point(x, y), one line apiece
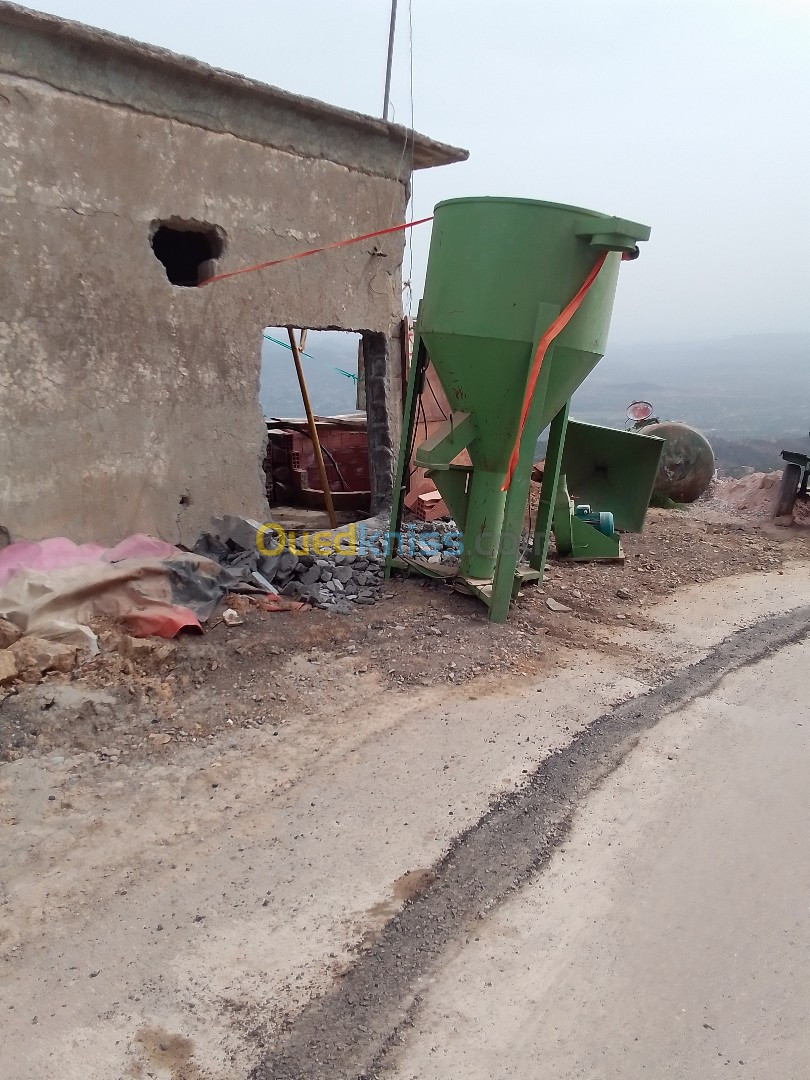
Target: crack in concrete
point(347, 1033)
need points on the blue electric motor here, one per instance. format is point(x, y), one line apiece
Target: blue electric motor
point(602, 520)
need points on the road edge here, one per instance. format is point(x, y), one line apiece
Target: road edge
point(346, 1033)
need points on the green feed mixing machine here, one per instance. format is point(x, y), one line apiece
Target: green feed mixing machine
point(515, 315)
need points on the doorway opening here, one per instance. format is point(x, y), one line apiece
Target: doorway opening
point(334, 375)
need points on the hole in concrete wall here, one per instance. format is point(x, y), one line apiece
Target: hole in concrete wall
point(333, 370)
point(187, 249)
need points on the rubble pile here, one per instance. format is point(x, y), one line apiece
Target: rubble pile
point(349, 571)
point(434, 541)
point(333, 583)
point(753, 495)
point(337, 581)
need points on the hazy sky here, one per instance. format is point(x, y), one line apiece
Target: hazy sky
point(691, 116)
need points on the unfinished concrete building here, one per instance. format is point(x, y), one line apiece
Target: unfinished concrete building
point(129, 396)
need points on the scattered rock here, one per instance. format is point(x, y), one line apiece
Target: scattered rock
point(287, 562)
point(36, 656)
point(9, 633)
point(135, 648)
point(555, 605)
point(8, 666)
point(310, 575)
point(624, 594)
point(299, 591)
point(268, 564)
point(242, 531)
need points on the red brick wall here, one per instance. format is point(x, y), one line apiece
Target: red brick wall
point(348, 447)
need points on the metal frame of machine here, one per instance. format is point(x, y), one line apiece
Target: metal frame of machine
point(794, 482)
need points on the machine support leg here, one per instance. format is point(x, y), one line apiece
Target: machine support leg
point(548, 492)
point(504, 579)
point(484, 505)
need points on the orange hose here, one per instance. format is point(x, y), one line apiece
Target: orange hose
point(313, 251)
point(556, 327)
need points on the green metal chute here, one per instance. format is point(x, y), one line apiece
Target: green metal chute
point(614, 469)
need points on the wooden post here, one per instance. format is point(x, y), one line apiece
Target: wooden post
point(313, 431)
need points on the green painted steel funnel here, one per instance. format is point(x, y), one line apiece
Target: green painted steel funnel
point(612, 470)
point(499, 272)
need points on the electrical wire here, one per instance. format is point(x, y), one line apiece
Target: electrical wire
point(302, 431)
point(407, 141)
point(309, 356)
point(335, 465)
point(438, 403)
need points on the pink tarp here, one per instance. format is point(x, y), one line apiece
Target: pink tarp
point(53, 587)
point(59, 553)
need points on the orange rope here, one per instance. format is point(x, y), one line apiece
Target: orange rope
point(556, 327)
point(314, 251)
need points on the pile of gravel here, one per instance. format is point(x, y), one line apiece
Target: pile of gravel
point(333, 583)
point(432, 541)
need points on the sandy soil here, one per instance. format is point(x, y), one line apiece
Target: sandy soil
point(265, 673)
point(197, 842)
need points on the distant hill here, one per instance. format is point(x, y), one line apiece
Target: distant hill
point(750, 395)
point(331, 393)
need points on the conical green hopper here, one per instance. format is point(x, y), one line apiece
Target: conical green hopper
point(499, 273)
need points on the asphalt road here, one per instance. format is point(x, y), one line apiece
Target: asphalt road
point(639, 907)
point(669, 935)
point(600, 872)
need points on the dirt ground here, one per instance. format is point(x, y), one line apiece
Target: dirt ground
point(201, 839)
point(254, 675)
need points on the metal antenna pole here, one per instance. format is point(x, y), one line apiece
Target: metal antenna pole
point(387, 96)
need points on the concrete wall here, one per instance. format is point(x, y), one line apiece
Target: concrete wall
point(127, 403)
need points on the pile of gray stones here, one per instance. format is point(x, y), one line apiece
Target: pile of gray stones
point(335, 581)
